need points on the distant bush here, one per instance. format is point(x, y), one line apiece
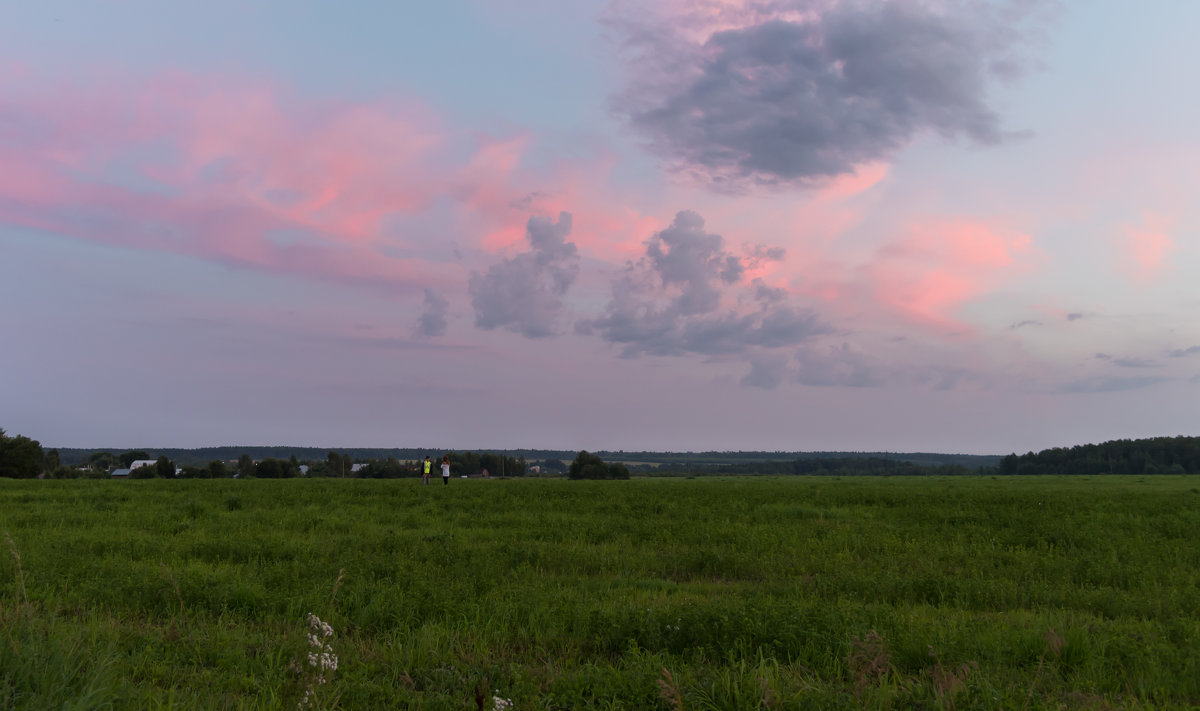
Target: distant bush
point(590, 466)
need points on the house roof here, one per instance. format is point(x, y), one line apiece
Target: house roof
point(121, 472)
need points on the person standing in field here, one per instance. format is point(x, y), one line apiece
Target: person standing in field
point(425, 475)
point(446, 470)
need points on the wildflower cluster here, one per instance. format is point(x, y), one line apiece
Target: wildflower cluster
point(321, 658)
point(501, 704)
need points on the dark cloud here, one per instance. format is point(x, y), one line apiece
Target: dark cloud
point(1023, 324)
point(768, 294)
point(1074, 316)
point(846, 366)
point(766, 372)
point(801, 101)
point(762, 253)
point(1106, 384)
point(525, 203)
point(840, 366)
point(687, 257)
point(1127, 361)
point(817, 366)
point(670, 301)
point(1184, 352)
point(433, 318)
point(524, 294)
point(944, 377)
point(1132, 362)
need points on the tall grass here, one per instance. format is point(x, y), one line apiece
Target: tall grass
point(708, 594)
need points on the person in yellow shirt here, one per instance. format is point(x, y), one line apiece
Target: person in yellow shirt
point(425, 472)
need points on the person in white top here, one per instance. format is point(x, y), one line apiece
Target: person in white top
point(446, 469)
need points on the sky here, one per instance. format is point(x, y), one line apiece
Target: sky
point(961, 226)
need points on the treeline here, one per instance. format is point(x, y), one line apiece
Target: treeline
point(22, 457)
point(557, 459)
point(25, 458)
point(461, 464)
point(680, 461)
point(342, 465)
point(1157, 455)
point(840, 466)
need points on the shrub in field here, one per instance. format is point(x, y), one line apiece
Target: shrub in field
point(590, 466)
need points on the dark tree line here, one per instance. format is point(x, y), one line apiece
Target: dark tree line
point(1158, 455)
point(841, 466)
point(22, 457)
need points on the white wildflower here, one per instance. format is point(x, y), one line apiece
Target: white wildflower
point(318, 626)
point(501, 704)
point(320, 657)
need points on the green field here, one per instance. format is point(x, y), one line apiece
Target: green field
point(735, 593)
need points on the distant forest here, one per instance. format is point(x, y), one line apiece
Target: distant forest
point(1159, 455)
point(637, 461)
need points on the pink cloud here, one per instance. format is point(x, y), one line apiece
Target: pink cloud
point(604, 224)
point(925, 276)
point(1146, 247)
point(232, 171)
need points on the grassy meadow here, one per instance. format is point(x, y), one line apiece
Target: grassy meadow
point(734, 593)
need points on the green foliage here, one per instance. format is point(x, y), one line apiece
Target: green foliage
point(102, 462)
point(719, 593)
point(144, 472)
point(590, 466)
point(132, 456)
point(163, 467)
point(389, 468)
point(473, 464)
point(553, 465)
point(276, 469)
point(20, 457)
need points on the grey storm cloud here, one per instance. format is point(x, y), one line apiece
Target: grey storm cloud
point(524, 293)
point(1184, 352)
point(1075, 316)
point(669, 302)
point(803, 101)
point(433, 318)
